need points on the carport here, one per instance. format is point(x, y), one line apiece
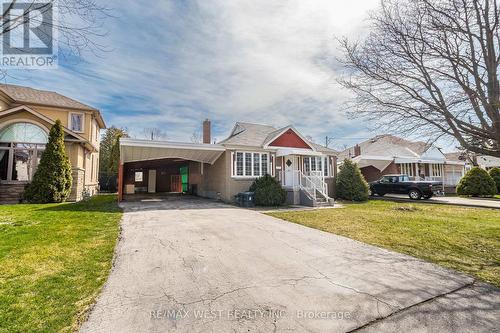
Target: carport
point(163, 167)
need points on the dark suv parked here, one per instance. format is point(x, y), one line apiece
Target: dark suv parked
point(401, 184)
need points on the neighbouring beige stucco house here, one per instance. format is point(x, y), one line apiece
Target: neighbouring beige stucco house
point(305, 169)
point(26, 116)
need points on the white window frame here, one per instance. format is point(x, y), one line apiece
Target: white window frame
point(436, 170)
point(137, 178)
point(321, 163)
point(408, 169)
point(252, 155)
point(70, 121)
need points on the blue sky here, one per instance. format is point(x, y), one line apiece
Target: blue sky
point(172, 64)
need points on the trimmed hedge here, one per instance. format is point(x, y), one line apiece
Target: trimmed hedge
point(52, 179)
point(351, 185)
point(476, 182)
point(495, 174)
point(268, 191)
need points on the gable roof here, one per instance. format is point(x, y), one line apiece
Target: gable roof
point(27, 95)
point(69, 134)
point(388, 145)
point(248, 134)
point(258, 135)
point(272, 137)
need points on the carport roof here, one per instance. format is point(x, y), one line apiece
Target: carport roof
point(133, 150)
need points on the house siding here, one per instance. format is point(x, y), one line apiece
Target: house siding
point(214, 179)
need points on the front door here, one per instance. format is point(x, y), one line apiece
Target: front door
point(175, 183)
point(291, 165)
point(152, 181)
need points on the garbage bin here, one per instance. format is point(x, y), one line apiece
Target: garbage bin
point(247, 199)
point(238, 199)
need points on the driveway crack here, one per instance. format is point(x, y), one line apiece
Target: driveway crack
point(210, 300)
point(376, 320)
point(392, 306)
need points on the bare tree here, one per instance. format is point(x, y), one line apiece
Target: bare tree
point(196, 136)
point(430, 67)
point(78, 23)
point(154, 133)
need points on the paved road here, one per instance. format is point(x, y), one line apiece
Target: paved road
point(200, 266)
point(473, 202)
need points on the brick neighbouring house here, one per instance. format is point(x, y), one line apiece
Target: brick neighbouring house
point(389, 154)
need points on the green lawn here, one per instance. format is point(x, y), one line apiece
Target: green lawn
point(466, 239)
point(54, 259)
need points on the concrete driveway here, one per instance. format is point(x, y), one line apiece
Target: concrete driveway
point(200, 266)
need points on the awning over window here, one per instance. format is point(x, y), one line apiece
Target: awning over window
point(377, 162)
point(296, 151)
point(133, 150)
point(416, 160)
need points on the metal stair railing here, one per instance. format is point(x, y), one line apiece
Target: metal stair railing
point(307, 185)
point(313, 184)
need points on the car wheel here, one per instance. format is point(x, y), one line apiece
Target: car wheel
point(380, 194)
point(414, 194)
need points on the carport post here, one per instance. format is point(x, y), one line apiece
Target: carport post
point(120, 181)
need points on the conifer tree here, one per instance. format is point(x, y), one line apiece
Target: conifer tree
point(52, 179)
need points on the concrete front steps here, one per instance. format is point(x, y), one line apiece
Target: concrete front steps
point(11, 193)
point(320, 201)
point(323, 202)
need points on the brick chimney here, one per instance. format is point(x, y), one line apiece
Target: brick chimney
point(206, 131)
point(357, 150)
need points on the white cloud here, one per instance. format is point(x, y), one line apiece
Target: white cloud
point(175, 63)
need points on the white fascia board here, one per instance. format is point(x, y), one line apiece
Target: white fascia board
point(126, 142)
point(454, 162)
point(248, 148)
point(283, 151)
point(373, 157)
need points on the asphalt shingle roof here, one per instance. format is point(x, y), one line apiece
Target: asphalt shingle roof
point(248, 134)
point(388, 145)
point(257, 135)
point(29, 95)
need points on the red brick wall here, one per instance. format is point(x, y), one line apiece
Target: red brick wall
point(371, 173)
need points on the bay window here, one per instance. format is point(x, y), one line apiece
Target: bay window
point(21, 147)
point(250, 164)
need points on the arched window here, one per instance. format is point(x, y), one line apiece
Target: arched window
point(21, 147)
point(23, 132)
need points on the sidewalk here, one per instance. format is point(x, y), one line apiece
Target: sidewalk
point(459, 201)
